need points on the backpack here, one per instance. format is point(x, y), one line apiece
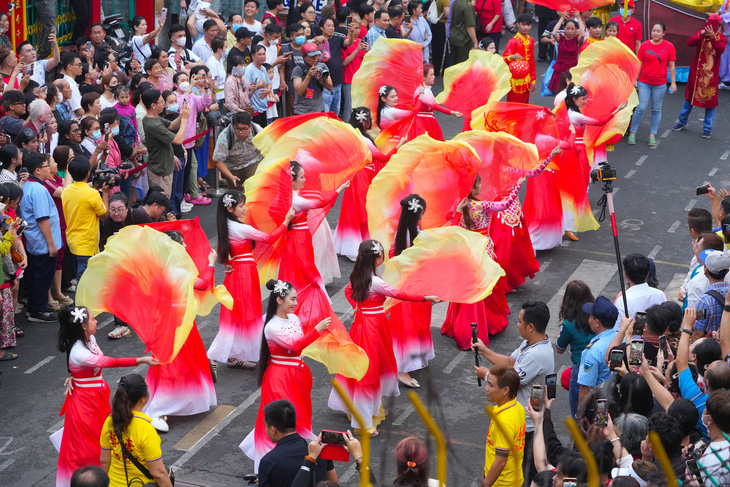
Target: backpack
point(432, 14)
point(230, 136)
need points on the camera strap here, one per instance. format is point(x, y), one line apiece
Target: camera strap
point(718, 297)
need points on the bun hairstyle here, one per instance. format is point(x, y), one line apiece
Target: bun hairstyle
point(295, 167)
point(358, 116)
point(279, 289)
point(411, 459)
point(383, 92)
point(466, 215)
point(362, 273)
point(231, 199)
point(72, 320)
point(175, 236)
point(131, 389)
point(574, 91)
point(412, 207)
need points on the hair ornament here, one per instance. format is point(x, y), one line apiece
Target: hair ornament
point(228, 200)
point(576, 90)
point(411, 464)
point(383, 91)
point(414, 205)
point(377, 248)
point(281, 288)
point(79, 315)
point(361, 116)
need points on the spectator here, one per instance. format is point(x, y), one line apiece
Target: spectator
point(71, 67)
point(382, 22)
point(250, 9)
point(141, 39)
point(545, 16)
point(179, 57)
point(632, 428)
point(217, 69)
point(310, 81)
point(352, 57)
point(203, 47)
point(296, 34)
point(64, 93)
point(274, 9)
point(336, 41)
point(90, 476)
point(42, 237)
point(687, 416)
point(279, 467)
point(4, 29)
point(257, 77)
point(574, 332)
point(11, 158)
point(235, 22)
point(55, 184)
point(237, 160)
point(462, 32)
point(502, 467)
point(90, 104)
point(242, 47)
point(110, 83)
point(593, 367)
point(237, 87)
point(569, 42)
point(152, 209)
point(271, 42)
point(13, 104)
point(411, 461)
point(28, 139)
point(629, 29)
point(92, 144)
point(309, 15)
point(670, 434)
point(166, 72)
point(639, 295)
point(160, 138)
point(118, 212)
point(716, 268)
point(396, 29)
point(28, 55)
point(699, 283)
point(716, 418)
point(490, 19)
point(699, 220)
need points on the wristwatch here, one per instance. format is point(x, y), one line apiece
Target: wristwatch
point(726, 308)
point(687, 331)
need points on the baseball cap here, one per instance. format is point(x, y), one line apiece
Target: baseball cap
point(715, 260)
point(243, 33)
point(631, 3)
point(310, 49)
point(26, 135)
point(603, 310)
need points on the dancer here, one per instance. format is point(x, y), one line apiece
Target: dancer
point(371, 331)
point(388, 115)
point(520, 57)
point(87, 400)
point(410, 321)
point(184, 386)
point(425, 122)
point(239, 333)
point(490, 314)
point(569, 47)
point(512, 244)
point(283, 374)
point(362, 120)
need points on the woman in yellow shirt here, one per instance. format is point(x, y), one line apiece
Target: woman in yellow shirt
point(129, 424)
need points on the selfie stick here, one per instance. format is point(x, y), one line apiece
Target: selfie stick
point(474, 339)
point(607, 199)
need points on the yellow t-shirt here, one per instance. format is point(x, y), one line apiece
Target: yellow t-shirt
point(440, 6)
point(141, 440)
point(512, 418)
point(82, 207)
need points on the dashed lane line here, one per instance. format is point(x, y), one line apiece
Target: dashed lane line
point(641, 160)
point(690, 205)
point(40, 364)
point(655, 251)
point(674, 226)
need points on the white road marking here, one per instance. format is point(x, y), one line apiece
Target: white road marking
point(641, 160)
point(674, 285)
point(40, 364)
point(666, 133)
point(404, 415)
point(674, 226)
point(452, 365)
point(55, 427)
point(105, 323)
point(654, 251)
point(348, 473)
point(6, 464)
point(725, 155)
point(630, 173)
point(690, 205)
point(714, 171)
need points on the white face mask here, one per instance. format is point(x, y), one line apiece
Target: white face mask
point(59, 97)
point(184, 86)
point(274, 42)
point(180, 41)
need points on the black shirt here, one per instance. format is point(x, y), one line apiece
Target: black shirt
point(291, 62)
point(279, 467)
point(392, 33)
point(335, 61)
point(245, 54)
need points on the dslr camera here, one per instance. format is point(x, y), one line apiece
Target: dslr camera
point(603, 172)
point(324, 73)
point(109, 176)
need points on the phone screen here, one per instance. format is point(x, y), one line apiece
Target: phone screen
point(536, 398)
point(601, 412)
point(637, 350)
point(701, 314)
point(693, 469)
point(663, 345)
point(617, 357)
point(551, 382)
point(568, 482)
point(333, 437)
point(639, 322)
point(22, 227)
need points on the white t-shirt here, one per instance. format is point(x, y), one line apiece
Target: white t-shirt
point(141, 51)
point(712, 464)
point(271, 54)
point(106, 103)
point(255, 28)
point(39, 72)
point(532, 364)
point(202, 49)
point(639, 298)
point(218, 73)
point(74, 103)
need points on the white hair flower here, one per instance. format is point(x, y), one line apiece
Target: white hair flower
point(229, 201)
point(383, 90)
point(281, 288)
point(576, 90)
point(377, 248)
point(414, 205)
point(361, 116)
point(79, 315)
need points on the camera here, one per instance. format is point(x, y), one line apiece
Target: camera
point(704, 189)
point(603, 172)
point(109, 176)
point(324, 73)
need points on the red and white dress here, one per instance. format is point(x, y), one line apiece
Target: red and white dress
point(410, 325)
point(239, 333)
point(397, 122)
point(491, 313)
point(184, 386)
point(425, 122)
point(372, 331)
point(85, 410)
point(287, 377)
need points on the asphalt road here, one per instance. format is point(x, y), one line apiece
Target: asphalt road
point(654, 190)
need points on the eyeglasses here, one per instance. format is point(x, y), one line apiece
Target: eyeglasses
point(45, 165)
point(76, 130)
point(117, 210)
point(245, 128)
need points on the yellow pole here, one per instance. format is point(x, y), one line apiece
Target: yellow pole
point(626, 8)
point(661, 456)
point(580, 443)
point(364, 439)
point(438, 436)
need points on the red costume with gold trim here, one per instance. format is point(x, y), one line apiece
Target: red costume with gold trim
point(704, 72)
point(588, 42)
point(525, 47)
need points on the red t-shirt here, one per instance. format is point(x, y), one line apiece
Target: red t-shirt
point(349, 71)
point(655, 60)
point(488, 9)
point(628, 33)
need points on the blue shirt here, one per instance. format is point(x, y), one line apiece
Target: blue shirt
point(593, 366)
point(578, 341)
point(37, 205)
point(690, 390)
point(713, 307)
point(254, 75)
point(374, 34)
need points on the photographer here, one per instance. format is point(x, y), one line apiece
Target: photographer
point(237, 159)
point(83, 208)
point(310, 81)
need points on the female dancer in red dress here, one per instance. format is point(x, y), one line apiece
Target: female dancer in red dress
point(283, 374)
point(425, 122)
point(371, 331)
point(239, 334)
point(410, 321)
point(392, 119)
point(490, 314)
point(87, 400)
point(512, 244)
point(184, 386)
point(352, 226)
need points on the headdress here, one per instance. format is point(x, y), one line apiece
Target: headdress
point(361, 116)
point(383, 90)
point(228, 200)
point(79, 315)
point(377, 248)
point(575, 91)
point(414, 205)
point(281, 288)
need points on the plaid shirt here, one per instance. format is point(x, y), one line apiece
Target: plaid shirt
point(63, 111)
point(713, 307)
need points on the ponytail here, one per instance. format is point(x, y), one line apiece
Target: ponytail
point(230, 200)
point(279, 289)
point(71, 320)
point(131, 389)
point(412, 209)
point(411, 459)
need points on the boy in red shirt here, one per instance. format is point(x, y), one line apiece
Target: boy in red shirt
point(521, 48)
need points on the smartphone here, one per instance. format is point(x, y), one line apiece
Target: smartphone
point(88, 45)
point(551, 382)
point(601, 412)
point(570, 482)
point(21, 228)
point(664, 346)
point(42, 131)
point(701, 314)
point(407, 19)
point(617, 358)
point(163, 14)
point(693, 469)
point(536, 397)
point(333, 437)
point(703, 189)
point(29, 69)
point(348, 20)
point(639, 322)
point(698, 449)
point(636, 351)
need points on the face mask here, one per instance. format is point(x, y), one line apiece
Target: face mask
point(707, 426)
point(173, 108)
point(184, 86)
point(115, 131)
point(238, 71)
point(274, 42)
point(96, 134)
point(235, 27)
point(621, 12)
point(300, 40)
point(180, 41)
point(59, 98)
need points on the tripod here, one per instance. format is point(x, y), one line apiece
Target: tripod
point(607, 200)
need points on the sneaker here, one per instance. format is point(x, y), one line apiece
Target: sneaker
point(185, 207)
point(706, 134)
point(160, 425)
point(119, 332)
point(41, 317)
point(722, 86)
point(70, 289)
point(679, 127)
point(632, 139)
point(652, 141)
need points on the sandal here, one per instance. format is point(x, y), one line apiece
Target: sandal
point(204, 187)
point(64, 300)
point(6, 356)
point(409, 383)
point(213, 370)
point(200, 200)
point(234, 363)
point(19, 333)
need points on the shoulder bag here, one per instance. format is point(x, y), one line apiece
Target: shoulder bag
point(135, 462)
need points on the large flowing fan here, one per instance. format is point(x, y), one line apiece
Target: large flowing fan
point(529, 123)
point(571, 5)
point(471, 84)
point(442, 173)
point(451, 263)
point(270, 135)
point(504, 160)
point(146, 280)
